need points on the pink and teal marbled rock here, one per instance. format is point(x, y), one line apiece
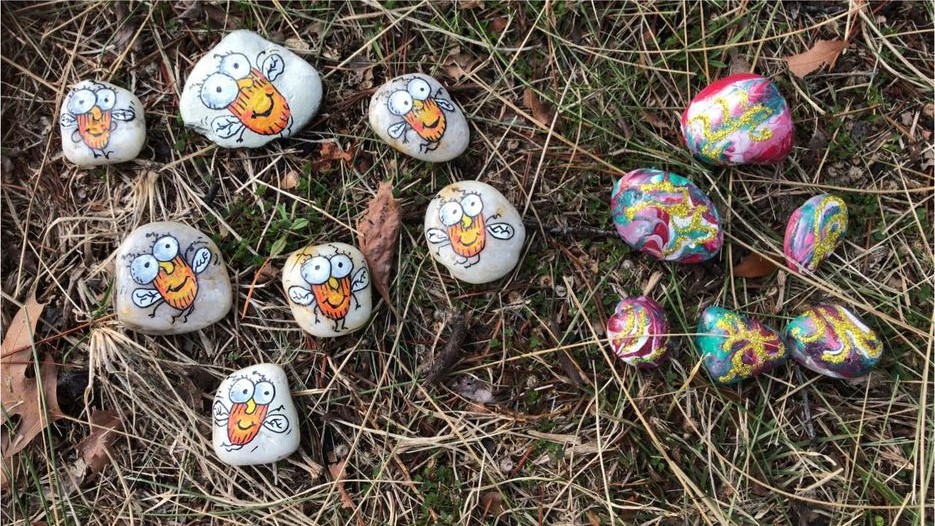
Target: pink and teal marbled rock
point(813, 232)
point(667, 216)
point(741, 119)
point(735, 347)
point(638, 332)
point(832, 341)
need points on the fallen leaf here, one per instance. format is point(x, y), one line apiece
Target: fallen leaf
point(754, 266)
point(298, 46)
point(95, 448)
point(653, 120)
point(823, 53)
point(457, 64)
point(470, 4)
point(332, 151)
point(492, 503)
point(497, 25)
point(379, 230)
point(541, 111)
point(290, 180)
point(192, 11)
point(337, 473)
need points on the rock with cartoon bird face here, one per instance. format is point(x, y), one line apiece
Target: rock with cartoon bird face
point(253, 418)
point(170, 279)
point(247, 91)
point(101, 124)
point(328, 289)
point(417, 116)
point(474, 232)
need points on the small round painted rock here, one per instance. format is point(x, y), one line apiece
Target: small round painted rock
point(741, 119)
point(638, 332)
point(667, 216)
point(101, 124)
point(813, 232)
point(735, 347)
point(832, 341)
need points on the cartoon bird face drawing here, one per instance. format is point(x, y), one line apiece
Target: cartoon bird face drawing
point(175, 278)
point(421, 112)
point(333, 285)
point(251, 398)
point(248, 94)
point(466, 228)
point(90, 110)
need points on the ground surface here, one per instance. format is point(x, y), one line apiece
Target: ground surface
point(537, 424)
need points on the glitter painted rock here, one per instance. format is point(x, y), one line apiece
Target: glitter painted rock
point(735, 347)
point(170, 279)
point(638, 332)
point(831, 340)
point(101, 124)
point(254, 419)
point(328, 287)
point(247, 91)
point(813, 232)
point(417, 116)
point(741, 119)
point(667, 216)
point(474, 232)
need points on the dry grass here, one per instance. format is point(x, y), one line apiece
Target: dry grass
point(570, 436)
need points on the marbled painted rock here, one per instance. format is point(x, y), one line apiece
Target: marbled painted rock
point(735, 347)
point(638, 332)
point(474, 232)
point(830, 340)
point(254, 419)
point(247, 91)
point(101, 124)
point(666, 215)
point(328, 288)
point(813, 232)
point(170, 279)
point(741, 119)
point(417, 116)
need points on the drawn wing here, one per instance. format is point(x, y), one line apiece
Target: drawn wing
point(397, 130)
point(123, 115)
point(143, 298)
point(361, 280)
point(276, 423)
point(445, 104)
point(226, 126)
point(221, 414)
point(201, 260)
point(437, 236)
point(273, 66)
point(301, 295)
point(68, 120)
point(501, 230)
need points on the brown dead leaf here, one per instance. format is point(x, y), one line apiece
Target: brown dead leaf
point(492, 503)
point(541, 111)
point(337, 474)
point(823, 53)
point(332, 151)
point(653, 120)
point(497, 25)
point(470, 4)
point(457, 64)
point(290, 180)
point(95, 448)
point(379, 230)
point(754, 265)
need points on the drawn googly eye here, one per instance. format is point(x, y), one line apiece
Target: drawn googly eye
point(241, 391)
point(106, 98)
point(81, 101)
point(472, 204)
point(166, 248)
point(451, 213)
point(218, 91)
point(419, 89)
point(144, 269)
point(316, 270)
point(341, 266)
point(264, 393)
point(400, 103)
point(235, 66)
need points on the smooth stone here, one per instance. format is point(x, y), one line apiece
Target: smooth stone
point(814, 230)
point(832, 341)
point(638, 332)
point(474, 232)
point(101, 124)
point(667, 216)
point(417, 116)
point(254, 419)
point(170, 279)
point(735, 347)
point(247, 91)
point(329, 290)
point(741, 119)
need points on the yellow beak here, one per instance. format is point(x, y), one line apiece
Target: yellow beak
point(417, 105)
point(333, 283)
point(245, 83)
point(251, 406)
point(466, 221)
point(96, 113)
point(168, 266)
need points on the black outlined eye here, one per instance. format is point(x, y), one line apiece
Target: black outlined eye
point(419, 89)
point(166, 248)
point(106, 98)
point(451, 213)
point(81, 101)
point(235, 66)
point(218, 91)
point(144, 269)
point(472, 204)
point(264, 393)
point(341, 266)
point(241, 391)
point(400, 103)
point(316, 270)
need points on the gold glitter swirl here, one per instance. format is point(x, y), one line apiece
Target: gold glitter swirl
point(752, 117)
point(825, 234)
point(847, 329)
point(684, 208)
point(636, 324)
point(752, 340)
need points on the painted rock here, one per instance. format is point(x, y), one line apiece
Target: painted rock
point(813, 232)
point(101, 124)
point(247, 91)
point(254, 419)
point(735, 347)
point(638, 332)
point(831, 340)
point(328, 288)
point(741, 119)
point(170, 279)
point(474, 232)
point(417, 116)
point(667, 216)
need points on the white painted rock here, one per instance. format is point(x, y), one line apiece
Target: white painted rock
point(170, 279)
point(328, 287)
point(247, 91)
point(255, 421)
point(101, 124)
point(417, 116)
point(474, 232)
